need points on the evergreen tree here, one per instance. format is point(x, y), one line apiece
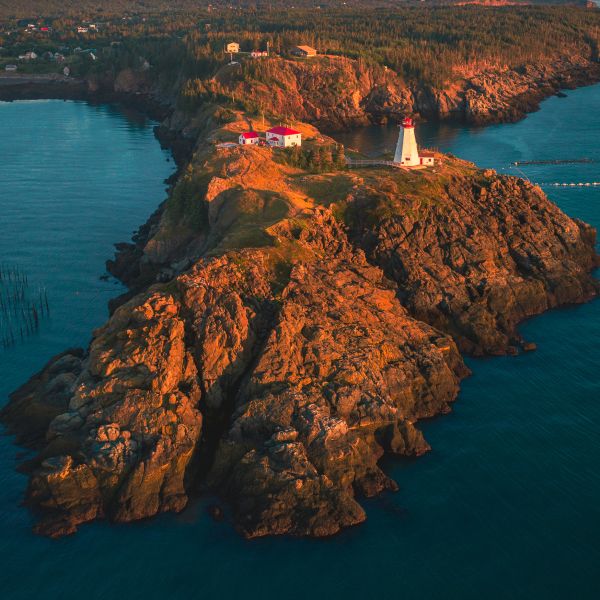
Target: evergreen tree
point(339, 157)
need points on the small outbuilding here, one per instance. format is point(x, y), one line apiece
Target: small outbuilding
point(10, 68)
point(232, 47)
point(304, 51)
point(249, 138)
point(283, 137)
point(427, 158)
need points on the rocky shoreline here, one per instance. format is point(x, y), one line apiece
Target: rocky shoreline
point(277, 351)
point(278, 375)
point(367, 94)
point(496, 95)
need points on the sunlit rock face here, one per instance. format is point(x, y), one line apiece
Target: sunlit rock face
point(293, 345)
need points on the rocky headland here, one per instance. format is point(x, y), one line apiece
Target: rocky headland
point(285, 330)
point(332, 92)
point(336, 93)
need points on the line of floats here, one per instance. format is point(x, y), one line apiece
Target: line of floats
point(570, 161)
point(579, 184)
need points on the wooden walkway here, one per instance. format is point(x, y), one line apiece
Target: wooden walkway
point(358, 164)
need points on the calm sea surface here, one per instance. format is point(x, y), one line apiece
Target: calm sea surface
point(507, 505)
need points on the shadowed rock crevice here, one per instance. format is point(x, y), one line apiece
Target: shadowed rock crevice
point(227, 328)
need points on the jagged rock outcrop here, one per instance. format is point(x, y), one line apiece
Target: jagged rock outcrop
point(332, 361)
point(280, 366)
point(129, 422)
point(486, 254)
point(334, 92)
point(337, 92)
point(341, 378)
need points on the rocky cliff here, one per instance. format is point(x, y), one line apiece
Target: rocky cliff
point(331, 92)
point(297, 328)
point(484, 254)
point(336, 92)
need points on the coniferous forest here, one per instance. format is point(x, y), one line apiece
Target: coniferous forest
point(432, 44)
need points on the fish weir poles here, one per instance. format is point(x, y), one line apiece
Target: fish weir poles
point(22, 309)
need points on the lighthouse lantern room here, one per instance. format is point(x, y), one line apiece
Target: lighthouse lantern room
point(407, 151)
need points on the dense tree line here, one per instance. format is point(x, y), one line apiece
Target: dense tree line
point(28, 8)
point(317, 159)
point(431, 45)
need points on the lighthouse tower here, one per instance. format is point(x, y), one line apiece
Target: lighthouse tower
point(407, 153)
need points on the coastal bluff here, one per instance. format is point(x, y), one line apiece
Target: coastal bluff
point(288, 329)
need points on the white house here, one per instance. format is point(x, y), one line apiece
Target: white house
point(427, 158)
point(233, 47)
point(249, 138)
point(283, 137)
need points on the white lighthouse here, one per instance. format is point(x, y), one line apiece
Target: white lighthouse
point(407, 152)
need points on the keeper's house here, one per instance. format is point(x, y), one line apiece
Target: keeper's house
point(283, 137)
point(249, 138)
point(304, 51)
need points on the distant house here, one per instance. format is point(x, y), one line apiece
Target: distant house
point(10, 68)
point(283, 137)
point(31, 55)
point(232, 47)
point(258, 53)
point(249, 138)
point(304, 51)
point(82, 29)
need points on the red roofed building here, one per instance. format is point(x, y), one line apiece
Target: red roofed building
point(283, 137)
point(249, 138)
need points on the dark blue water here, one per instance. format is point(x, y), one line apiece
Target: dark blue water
point(507, 505)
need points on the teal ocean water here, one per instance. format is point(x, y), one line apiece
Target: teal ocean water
point(507, 505)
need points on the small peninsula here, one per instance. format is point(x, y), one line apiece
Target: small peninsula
point(293, 314)
point(288, 326)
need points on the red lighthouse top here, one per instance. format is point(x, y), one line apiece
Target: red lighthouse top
point(407, 123)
